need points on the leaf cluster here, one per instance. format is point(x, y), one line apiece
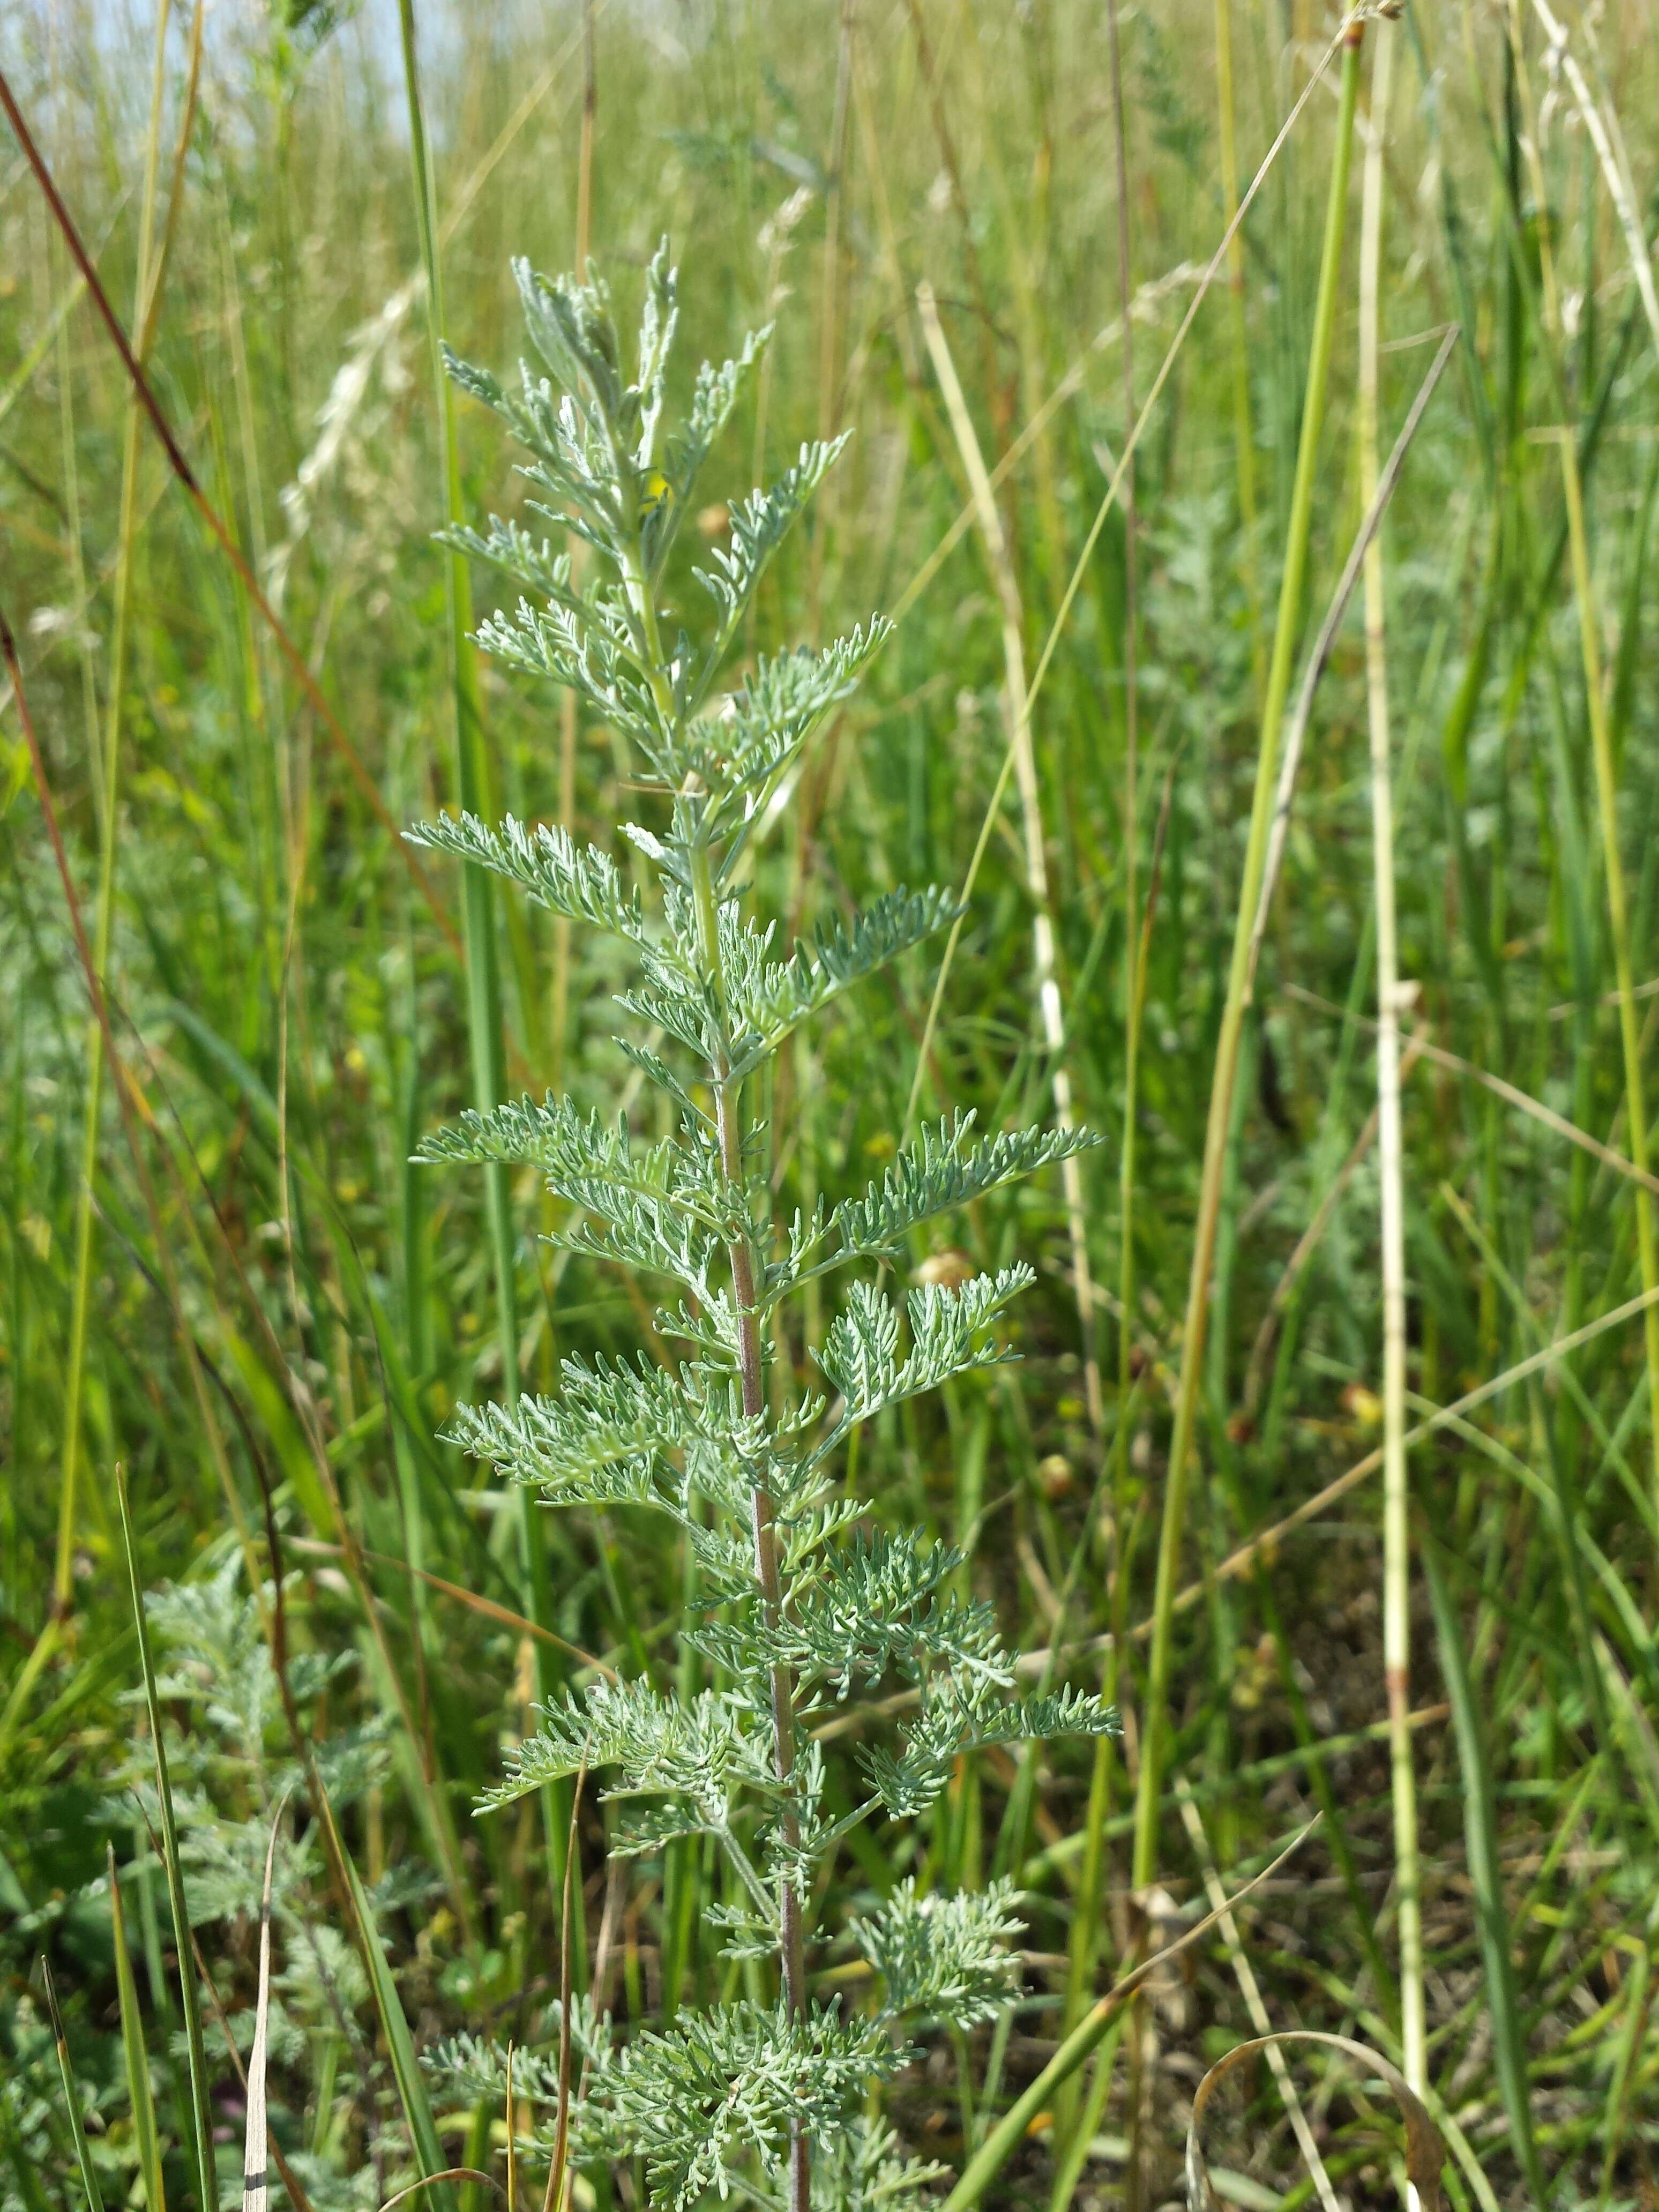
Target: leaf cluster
point(802, 1596)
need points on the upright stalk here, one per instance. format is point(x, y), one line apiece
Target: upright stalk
point(107, 786)
point(745, 1263)
point(1153, 1732)
point(1244, 431)
point(1390, 1153)
point(1086, 1921)
point(1607, 778)
point(1607, 793)
point(828, 314)
point(729, 1121)
point(569, 712)
point(484, 990)
point(1050, 1005)
point(1131, 766)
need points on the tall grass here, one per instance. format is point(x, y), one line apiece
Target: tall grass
point(1391, 1221)
point(1218, 1130)
point(220, 1274)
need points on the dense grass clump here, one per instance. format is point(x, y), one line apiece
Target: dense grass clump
point(1329, 1456)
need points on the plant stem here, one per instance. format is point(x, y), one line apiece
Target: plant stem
point(1085, 1922)
point(1243, 430)
point(1050, 1008)
point(1607, 793)
point(1131, 758)
point(63, 1584)
point(483, 992)
point(1607, 775)
point(1397, 1540)
point(728, 1122)
point(1149, 1792)
point(569, 712)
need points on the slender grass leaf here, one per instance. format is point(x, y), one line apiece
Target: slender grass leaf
point(133, 2044)
point(1485, 1872)
point(200, 2147)
point(394, 2025)
point(72, 2098)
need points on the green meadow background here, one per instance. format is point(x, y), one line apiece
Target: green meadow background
point(220, 1277)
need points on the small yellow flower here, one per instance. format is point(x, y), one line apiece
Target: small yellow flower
point(655, 492)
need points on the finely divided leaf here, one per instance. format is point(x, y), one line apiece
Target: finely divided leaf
point(510, 547)
point(769, 998)
point(699, 1750)
point(717, 393)
point(940, 1173)
point(860, 1353)
point(606, 1439)
point(760, 524)
point(721, 2086)
point(743, 748)
point(589, 646)
point(860, 1350)
point(594, 1166)
point(941, 1956)
point(962, 1713)
point(474, 2066)
point(585, 884)
point(880, 1606)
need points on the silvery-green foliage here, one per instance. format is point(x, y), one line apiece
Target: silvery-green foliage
point(704, 2095)
point(214, 1662)
point(866, 2170)
point(945, 1957)
point(803, 1599)
point(233, 1764)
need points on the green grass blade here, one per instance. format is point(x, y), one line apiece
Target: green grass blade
point(484, 990)
point(72, 2098)
point(1149, 1792)
point(28, 2181)
point(132, 2045)
point(1485, 1872)
point(200, 2147)
point(394, 2025)
point(485, 1030)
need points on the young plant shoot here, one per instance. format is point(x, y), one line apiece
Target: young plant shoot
point(801, 1595)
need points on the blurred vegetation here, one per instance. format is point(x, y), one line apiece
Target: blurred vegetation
point(257, 1309)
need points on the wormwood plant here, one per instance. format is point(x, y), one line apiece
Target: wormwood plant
point(800, 1596)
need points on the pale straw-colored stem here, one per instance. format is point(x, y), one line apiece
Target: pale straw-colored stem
point(1036, 865)
point(1607, 793)
point(1396, 1537)
point(1615, 174)
point(1244, 429)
